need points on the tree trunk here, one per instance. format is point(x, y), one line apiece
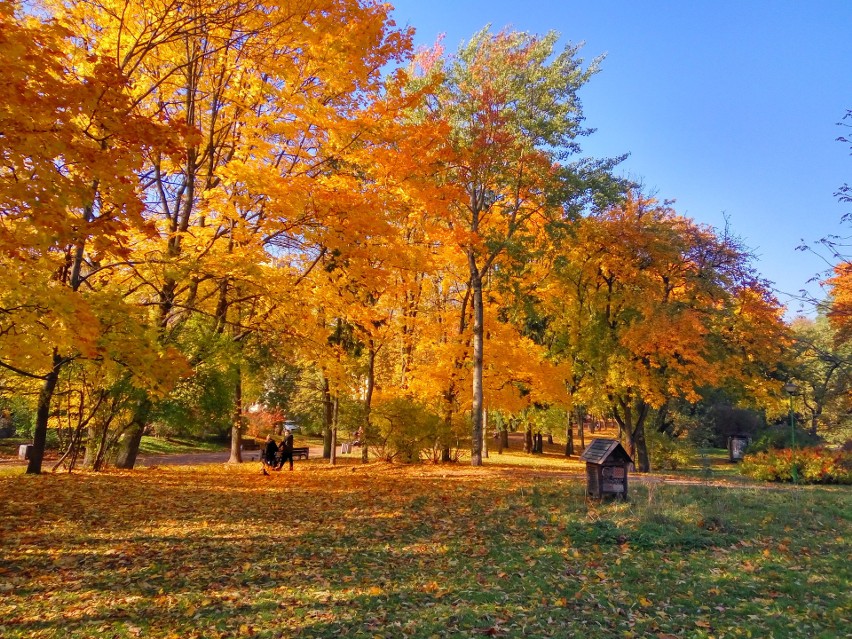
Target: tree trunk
point(528, 441)
point(129, 445)
point(103, 447)
point(71, 450)
point(45, 397)
point(660, 423)
point(641, 447)
point(478, 348)
point(237, 422)
point(815, 417)
point(569, 435)
point(90, 453)
point(327, 418)
point(504, 437)
point(581, 431)
point(98, 443)
point(368, 401)
point(638, 449)
point(625, 428)
point(336, 415)
point(408, 329)
point(449, 405)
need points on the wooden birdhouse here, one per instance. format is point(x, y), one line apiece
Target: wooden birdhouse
point(607, 464)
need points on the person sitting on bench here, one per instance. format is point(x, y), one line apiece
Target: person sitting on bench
point(268, 456)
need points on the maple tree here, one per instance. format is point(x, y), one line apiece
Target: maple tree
point(511, 101)
point(276, 143)
point(230, 180)
point(670, 308)
point(70, 207)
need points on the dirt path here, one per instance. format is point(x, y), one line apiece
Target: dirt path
point(220, 457)
point(253, 456)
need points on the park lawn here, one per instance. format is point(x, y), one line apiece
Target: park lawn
point(416, 551)
point(177, 446)
point(149, 446)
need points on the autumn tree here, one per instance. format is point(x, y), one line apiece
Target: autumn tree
point(69, 203)
point(821, 368)
point(512, 103)
point(669, 308)
point(273, 129)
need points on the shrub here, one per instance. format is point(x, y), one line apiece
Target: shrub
point(18, 417)
point(812, 466)
point(403, 429)
point(669, 453)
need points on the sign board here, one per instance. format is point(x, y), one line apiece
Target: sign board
point(612, 479)
point(737, 447)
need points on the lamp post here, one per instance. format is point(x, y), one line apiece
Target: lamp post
point(791, 389)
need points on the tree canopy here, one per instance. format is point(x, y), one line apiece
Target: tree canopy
point(206, 207)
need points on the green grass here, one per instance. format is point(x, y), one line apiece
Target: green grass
point(422, 552)
point(175, 446)
point(149, 446)
point(712, 464)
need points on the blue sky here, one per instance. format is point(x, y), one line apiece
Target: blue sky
point(728, 107)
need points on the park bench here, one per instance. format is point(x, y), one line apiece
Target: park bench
point(300, 452)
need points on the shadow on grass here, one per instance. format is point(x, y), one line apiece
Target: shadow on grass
point(412, 552)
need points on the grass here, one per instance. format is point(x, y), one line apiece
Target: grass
point(416, 551)
point(175, 446)
point(149, 446)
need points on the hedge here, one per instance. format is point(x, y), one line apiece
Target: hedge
point(813, 466)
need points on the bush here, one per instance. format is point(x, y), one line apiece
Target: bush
point(200, 406)
point(812, 466)
point(402, 429)
point(18, 417)
point(669, 453)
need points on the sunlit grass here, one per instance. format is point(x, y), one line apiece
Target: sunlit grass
point(175, 446)
point(422, 551)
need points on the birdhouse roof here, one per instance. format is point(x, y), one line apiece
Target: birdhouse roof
point(600, 450)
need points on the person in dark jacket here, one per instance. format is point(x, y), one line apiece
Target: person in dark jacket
point(269, 450)
point(286, 450)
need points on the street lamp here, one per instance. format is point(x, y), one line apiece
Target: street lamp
point(791, 389)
